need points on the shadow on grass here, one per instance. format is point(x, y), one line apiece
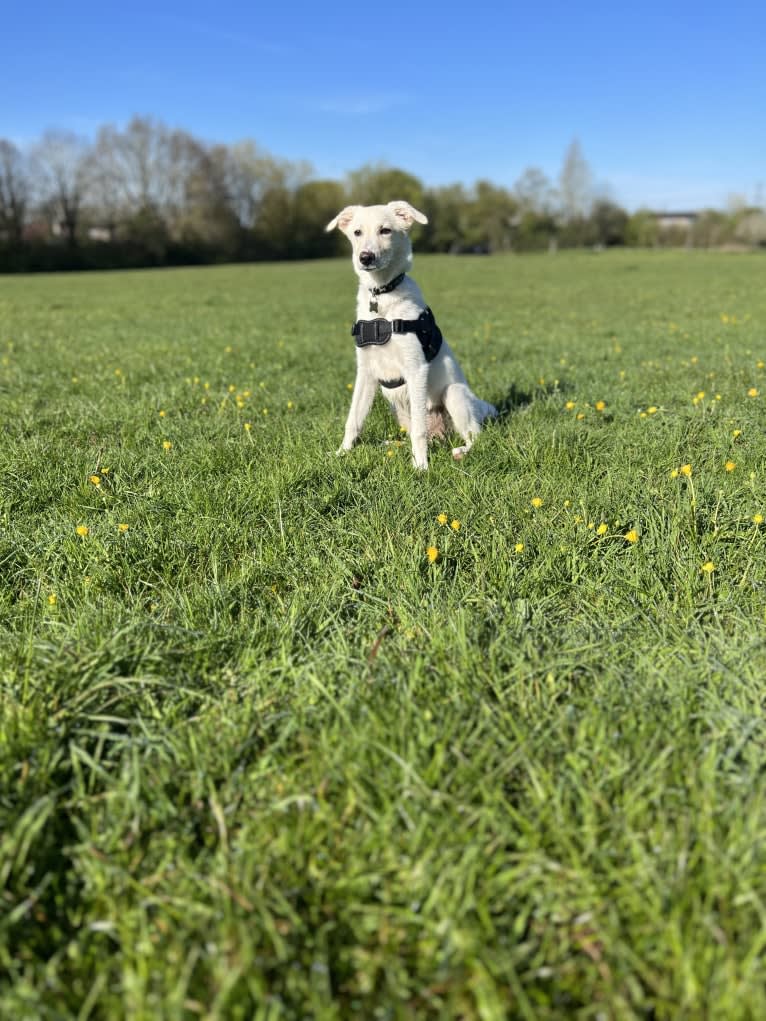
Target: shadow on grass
point(515, 399)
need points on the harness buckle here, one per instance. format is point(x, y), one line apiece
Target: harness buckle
point(373, 331)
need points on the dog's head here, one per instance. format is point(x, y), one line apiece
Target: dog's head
point(379, 235)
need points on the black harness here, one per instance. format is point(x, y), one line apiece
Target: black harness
point(379, 331)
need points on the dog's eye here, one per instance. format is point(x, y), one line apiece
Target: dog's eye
point(385, 230)
point(357, 233)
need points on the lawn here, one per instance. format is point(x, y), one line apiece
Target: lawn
point(263, 757)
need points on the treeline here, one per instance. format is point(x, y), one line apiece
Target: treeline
point(151, 195)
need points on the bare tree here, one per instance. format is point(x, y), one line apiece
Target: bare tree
point(534, 192)
point(14, 191)
point(575, 184)
point(62, 159)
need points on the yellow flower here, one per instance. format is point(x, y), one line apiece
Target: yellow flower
point(631, 536)
point(290, 405)
point(52, 599)
point(231, 388)
point(161, 414)
point(519, 547)
point(442, 518)
point(95, 480)
point(122, 527)
point(455, 525)
point(730, 466)
point(536, 502)
point(600, 405)
point(752, 392)
point(685, 469)
point(708, 567)
point(580, 416)
point(167, 445)
point(736, 433)
point(432, 553)
point(652, 410)
point(757, 519)
point(82, 530)
point(570, 405)
point(602, 529)
point(248, 426)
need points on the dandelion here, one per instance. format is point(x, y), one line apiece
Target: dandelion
point(730, 466)
point(580, 416)
point(167, 445)
point(248, 426)
point(519, 547)
point(736, 433)
point(599, 405)
point(95, 479)
point(602, 529)
point(631, 536)
point(432, 553)
point(231, 388)
point(757, 519)
point(455, 525)
point(570, 405)
point(708, 567)
point(442, 518)
point(82, 530)
point(52, 599)
point(105, 471)
point(652, 410)
point(161, 413)
point(122, 527)
point(536, 502)
point(290, 405)
point(752, 392)
point(685, 470)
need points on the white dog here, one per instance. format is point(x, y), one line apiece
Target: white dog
point(399, 345)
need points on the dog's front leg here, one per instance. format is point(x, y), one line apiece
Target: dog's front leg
point(417, 386)
point(361, 402)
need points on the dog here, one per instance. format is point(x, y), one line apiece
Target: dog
point(399, 345)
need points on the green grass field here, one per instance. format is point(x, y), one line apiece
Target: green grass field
point(262, 757)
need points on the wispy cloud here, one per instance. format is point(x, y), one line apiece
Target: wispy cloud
point(359, 106)
point(224, 35)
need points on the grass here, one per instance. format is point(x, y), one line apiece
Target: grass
point(261, 759)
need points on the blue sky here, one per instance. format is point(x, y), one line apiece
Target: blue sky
point(668, 100)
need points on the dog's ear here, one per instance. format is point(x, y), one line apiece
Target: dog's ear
point(406, 214)
point(343, 219)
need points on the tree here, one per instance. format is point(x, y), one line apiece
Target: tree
point(534, 192)
point(575, 184)
point(62, 158)
point(14, 192)
point(610, 222)
point(446, 211)
point(314, 204)
point(376, 183)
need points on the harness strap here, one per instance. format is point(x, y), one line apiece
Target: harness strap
point(379, 331)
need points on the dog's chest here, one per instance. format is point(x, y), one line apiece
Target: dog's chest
point(387, 361)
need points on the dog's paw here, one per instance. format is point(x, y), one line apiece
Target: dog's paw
point(420, 464)
point(459, 453)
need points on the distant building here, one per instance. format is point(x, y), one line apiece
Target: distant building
point(675, 221)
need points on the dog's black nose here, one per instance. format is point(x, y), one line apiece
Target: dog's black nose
point(367, 258)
